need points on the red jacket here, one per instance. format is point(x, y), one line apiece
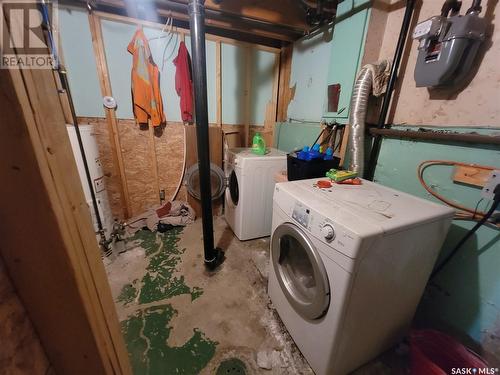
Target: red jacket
point(184, 83)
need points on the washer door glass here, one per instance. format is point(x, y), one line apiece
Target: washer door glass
point(300, 271)
point(234, 191)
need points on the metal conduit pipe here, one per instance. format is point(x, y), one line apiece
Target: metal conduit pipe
point(213, 256)
point(357, 118)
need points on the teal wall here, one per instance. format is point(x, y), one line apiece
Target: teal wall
point(330, 56)
point(309, 68)
point(233, 84)
point(79, 56)
point(290, 136)
point(466, 296)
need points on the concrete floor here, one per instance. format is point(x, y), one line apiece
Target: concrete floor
point(178, 318)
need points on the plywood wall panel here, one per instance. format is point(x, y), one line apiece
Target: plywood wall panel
point(138, 166)
point(111, 173)
point(22, 352)
point(170, 155)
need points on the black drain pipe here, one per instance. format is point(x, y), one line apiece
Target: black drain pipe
point(377, 141)
point(196, 9)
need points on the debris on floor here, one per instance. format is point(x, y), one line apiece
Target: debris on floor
point(177, 318)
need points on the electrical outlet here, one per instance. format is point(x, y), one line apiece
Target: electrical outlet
point(99, 184)
point(491, 183)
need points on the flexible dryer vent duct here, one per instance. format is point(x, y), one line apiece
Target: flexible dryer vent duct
point(372, 77)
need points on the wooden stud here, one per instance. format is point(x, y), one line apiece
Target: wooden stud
point(284, 91)
point(272, 107)
point(218, 80)
point(343, 146)
point(248, 88)
point(105, 83)
point(58, 264)
point(154, 160)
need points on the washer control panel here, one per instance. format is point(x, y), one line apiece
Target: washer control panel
point(301, 214)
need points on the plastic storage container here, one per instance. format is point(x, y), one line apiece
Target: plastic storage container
point(303, 169)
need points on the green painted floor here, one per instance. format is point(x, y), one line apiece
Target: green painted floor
point(146, 332)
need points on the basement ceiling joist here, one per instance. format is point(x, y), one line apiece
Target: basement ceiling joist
point(279, 20)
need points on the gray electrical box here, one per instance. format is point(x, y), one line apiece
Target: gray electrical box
point(447, 49)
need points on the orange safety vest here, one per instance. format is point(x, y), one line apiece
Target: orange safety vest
point(146, 94)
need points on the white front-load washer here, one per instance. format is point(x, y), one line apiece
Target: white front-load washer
point(348, 267)
point(249, 192)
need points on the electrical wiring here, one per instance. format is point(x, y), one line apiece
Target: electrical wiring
point(487, 215)
point(181, 179)
point(463, 213)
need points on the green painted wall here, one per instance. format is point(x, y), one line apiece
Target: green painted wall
point(290, 136)
point(330, 56)
point(233, 84)
point(78, 54)
point(466, 295)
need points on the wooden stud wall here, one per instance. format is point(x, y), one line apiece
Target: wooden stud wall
point(141, 164)
point(55, 263)
point(114, 138)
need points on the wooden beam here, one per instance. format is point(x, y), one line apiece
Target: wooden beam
point(182, 31)
point(168, 8)
point(282, 12)
point(56, 266)
point(105, 83)
point(218, 81)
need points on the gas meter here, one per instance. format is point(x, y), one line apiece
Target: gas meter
point(448, 45)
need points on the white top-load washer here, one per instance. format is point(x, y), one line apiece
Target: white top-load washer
point(349, 266)
point(249, 192)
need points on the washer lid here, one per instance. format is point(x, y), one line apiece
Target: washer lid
point(300, 271)
point(246, 153)
point(217, 179)
point(364, 207)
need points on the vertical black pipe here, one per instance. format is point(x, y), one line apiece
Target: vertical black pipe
point(103, 242)
point(403, 34)
point(196, 10)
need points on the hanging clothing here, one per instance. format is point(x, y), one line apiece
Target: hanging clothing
point(184, 82)
point(146, 94)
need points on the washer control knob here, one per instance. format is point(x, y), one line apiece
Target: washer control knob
point(328, 232)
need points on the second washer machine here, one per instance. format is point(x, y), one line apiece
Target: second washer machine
point(249, 191)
